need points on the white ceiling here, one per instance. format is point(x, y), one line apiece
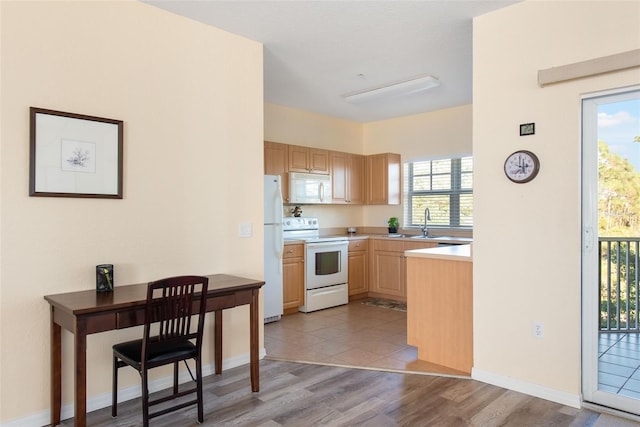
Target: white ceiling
point(317, 51)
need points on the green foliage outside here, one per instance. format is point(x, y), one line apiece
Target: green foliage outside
point(618, 218)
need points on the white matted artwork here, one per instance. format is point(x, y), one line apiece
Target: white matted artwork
point(74, 155)
point(78, 156)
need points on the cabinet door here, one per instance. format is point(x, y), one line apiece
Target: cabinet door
point(339, 172)
point(376, 180)
point(276, 160)
point(383, 179)
point(298, 159)
point(318, 161)
point(293, 278)
point(308, 160)
point(293, 284)
point(358, 267)
point(388, 273)
point(347, 177)
point(356, 179)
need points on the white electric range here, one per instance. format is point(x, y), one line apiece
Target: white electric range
point(326, 263)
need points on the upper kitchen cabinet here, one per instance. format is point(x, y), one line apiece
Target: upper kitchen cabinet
point(347, 178)
point(276, 160)
point(308, 160)
point(383, 179)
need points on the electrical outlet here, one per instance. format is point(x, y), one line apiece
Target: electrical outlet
point(538, 329)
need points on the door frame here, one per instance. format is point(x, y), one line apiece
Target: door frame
point(589, 250)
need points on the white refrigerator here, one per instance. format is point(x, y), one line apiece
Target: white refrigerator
point(273, 248)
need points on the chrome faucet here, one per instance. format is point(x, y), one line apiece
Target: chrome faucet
point(427, 217)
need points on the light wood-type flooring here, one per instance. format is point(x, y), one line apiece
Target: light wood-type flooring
point(395, 389)
point(299, 394)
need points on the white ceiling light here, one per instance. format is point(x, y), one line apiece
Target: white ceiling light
point(404, 87)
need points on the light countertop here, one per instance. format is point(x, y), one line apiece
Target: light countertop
point(452, 253)
point(402, 237)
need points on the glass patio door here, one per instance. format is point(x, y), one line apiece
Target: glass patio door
point(610, 249)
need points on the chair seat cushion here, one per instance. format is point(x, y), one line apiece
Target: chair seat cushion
point(131, 351)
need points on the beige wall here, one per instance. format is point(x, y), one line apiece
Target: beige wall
point(191, 100)
point(299, 127)
point(437, 134)
point(527, 237)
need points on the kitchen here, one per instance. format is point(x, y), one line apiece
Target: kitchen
point(376, 262)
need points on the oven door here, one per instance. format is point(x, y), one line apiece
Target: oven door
point(326, 264)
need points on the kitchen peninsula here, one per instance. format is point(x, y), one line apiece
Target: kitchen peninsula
point(440, 305)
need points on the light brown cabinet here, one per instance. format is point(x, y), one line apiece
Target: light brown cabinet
point(388, 266)
point(308, 160)
point(347, 178)
point(276, 160)
point(383, 179)
point(355, 179)
point(293, 277)
point(358, 268)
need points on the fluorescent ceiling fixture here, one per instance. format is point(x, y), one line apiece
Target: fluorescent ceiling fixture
point(404, 87)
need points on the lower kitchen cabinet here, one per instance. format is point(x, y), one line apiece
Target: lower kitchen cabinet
point(293, 278)
point(388, 265)
point(358, 269)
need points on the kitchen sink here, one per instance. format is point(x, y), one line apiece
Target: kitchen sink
point(420, 236)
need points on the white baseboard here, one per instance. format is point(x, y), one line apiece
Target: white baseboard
point(104, 400)
point(531, 389)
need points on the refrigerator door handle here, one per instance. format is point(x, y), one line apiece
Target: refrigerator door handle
point(278, 205)
point(279, 216)
point(279, 244)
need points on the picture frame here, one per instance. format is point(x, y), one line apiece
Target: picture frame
point(75, 155)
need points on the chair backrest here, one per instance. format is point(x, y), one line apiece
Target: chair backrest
point(171, 303)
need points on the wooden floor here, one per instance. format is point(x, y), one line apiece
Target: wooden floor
point(314, 394)
point(300, 394)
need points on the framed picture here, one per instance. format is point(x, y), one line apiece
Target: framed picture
point(73, 155)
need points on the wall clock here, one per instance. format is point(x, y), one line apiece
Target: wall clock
point(521, 166)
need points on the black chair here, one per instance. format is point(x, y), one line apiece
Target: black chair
point(170, 305)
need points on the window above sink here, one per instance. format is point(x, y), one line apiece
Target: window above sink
point(445, 186)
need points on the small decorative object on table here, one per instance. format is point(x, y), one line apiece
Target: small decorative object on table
point(393, 224)
point(297, 211)
point(104, 278)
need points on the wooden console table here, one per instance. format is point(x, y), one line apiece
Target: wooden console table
point(89, 312)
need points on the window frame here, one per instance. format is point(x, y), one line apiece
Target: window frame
point(454, 193)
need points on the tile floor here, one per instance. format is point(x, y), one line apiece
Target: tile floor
point(350, 335)
point(619, 363)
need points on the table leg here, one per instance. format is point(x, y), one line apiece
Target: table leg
point(217, 339)
point(56, 370)
point(253, 341)
point(80, 350)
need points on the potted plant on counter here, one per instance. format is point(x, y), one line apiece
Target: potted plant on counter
point(393, 224)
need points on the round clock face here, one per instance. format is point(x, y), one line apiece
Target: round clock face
point(521, 166)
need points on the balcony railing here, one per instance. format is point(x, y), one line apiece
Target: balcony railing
point(619, 260)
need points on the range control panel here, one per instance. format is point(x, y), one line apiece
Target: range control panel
point(300, 223)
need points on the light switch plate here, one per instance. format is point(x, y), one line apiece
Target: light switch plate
point(245, 229)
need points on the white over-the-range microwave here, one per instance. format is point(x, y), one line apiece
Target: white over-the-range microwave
point(309, 188)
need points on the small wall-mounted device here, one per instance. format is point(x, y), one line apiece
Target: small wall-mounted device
point(527, 129)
